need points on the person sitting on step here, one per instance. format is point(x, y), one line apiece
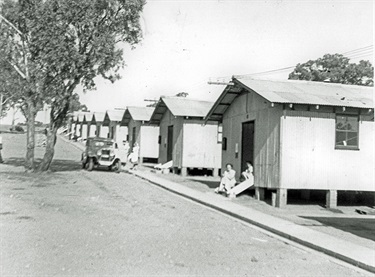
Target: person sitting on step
point(249, 172)
point(228, 179)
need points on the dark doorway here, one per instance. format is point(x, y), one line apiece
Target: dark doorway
point(170, 143)
point(134, 136)
point(112, 132)
point(247, 143)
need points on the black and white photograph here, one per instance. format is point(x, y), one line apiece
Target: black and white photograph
point(187, 138)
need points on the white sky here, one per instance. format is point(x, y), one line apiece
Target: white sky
point(187, 43)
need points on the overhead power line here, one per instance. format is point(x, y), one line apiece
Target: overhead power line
point(352, 54)
point(359, 50)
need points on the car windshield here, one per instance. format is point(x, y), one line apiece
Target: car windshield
point(100, 143)
point(103, 143)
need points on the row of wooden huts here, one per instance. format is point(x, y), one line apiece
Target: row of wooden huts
point(174, 130)
point(299, 135)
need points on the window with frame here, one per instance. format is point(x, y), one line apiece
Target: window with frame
point(347, 127)
point(220, 133)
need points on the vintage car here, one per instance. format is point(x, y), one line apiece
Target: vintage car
point(102, 152)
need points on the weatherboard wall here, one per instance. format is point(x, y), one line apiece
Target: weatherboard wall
point(200, 145)
point(146, 137)
point(177, 122)
point(194, 145)
point(149, 146)
point(309, 159)
point(252, 107)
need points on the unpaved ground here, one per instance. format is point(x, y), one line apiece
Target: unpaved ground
point(343, 223)
point(74, 222)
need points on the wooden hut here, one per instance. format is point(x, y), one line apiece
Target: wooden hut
point(73, 124)
point(97, 120)
point(81, 127)
point(91, 128)
point(299, 135)
point(136, 119)
point(112, 120)
point(184, 139)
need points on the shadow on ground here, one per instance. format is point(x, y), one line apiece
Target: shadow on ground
point(362, 227)
point(210, 184)
point(57, 165)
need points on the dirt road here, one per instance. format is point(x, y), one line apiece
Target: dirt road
point(74, 222)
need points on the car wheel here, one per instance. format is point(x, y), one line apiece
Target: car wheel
point(118, 166)
point(91, 164)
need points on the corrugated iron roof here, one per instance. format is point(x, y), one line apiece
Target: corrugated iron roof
point(115, 115)
point(295, 92)
point(137, 114)
point(180, 106)
point(141, 113)
point(98, 116)
point(81, 116)
point(316, 93)
point(88, 117)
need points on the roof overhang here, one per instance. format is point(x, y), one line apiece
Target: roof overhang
point(160, 109)
point(230, 93)
point(126, 118)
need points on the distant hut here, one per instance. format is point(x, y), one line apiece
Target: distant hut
point(299, 135)
point(97, 120)
point(91, 128)
point(184, 139)
point(137, 119)
point(81, 127)
point(112, 120)
point(73, 124)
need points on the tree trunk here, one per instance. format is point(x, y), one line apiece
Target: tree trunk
point(13, 116)
point(50, 148)
point(30, 136)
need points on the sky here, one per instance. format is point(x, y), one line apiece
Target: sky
point(187, 43)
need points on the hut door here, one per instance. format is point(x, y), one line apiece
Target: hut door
point(247, 144)
point(134, 136)
point(170, 143)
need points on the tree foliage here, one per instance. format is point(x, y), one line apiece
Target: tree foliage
point(182, 94)
point(76, 105)
point(56, 45)
point(335, 69)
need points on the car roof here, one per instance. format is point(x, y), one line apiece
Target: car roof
point(100, 139)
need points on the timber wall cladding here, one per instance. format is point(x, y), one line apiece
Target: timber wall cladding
point(310, 160)
point(200, 146)
point(252, 107)
point(136, 125)
point(167, 120)
point(149, 146)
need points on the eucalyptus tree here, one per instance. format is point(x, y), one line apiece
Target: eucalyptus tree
point(335, 68)
point(68, 43)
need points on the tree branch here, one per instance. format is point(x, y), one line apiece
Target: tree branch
point(19, 71)
point(10, 24)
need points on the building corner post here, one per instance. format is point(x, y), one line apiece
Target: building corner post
point(281, 197)
point(331, 199)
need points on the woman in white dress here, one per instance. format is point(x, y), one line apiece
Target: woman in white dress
point(134, 156)
point(228, 179)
